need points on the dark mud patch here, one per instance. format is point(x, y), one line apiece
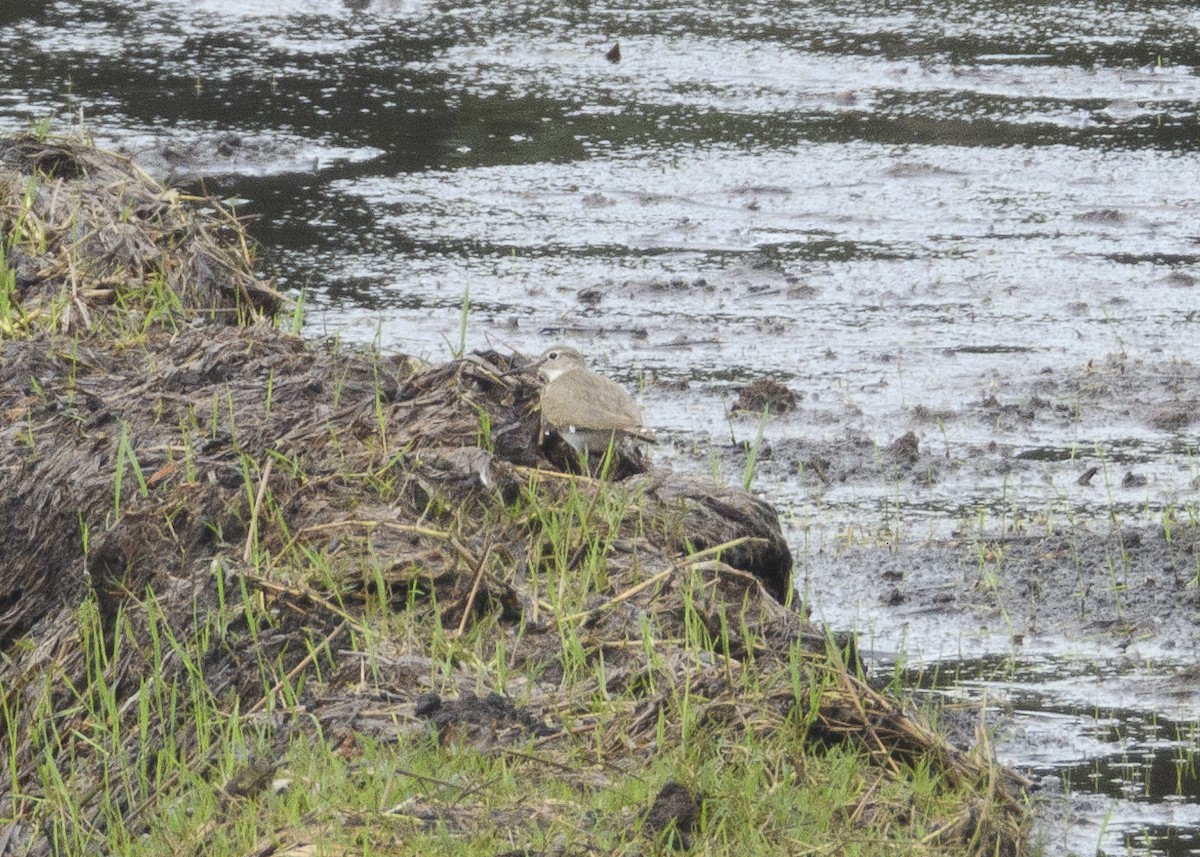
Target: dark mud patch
point(1080, 643)
point(1079, 443)
point(765, 396)
point(1062, 565)
point(674, 815)
point(482, 719)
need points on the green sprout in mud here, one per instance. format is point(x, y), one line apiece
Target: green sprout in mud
point(40, 130)
point(150, 303)
point(941, 424)
point(381, 406)
point(126, 459)
point(459, 351)
point(10, 315)
point(751, 468)
point(483, 437)
point(339, 386)
point(991, 559)
point(1185, 760)
point(26, 228)
point(26, 435)
point(188, 428)
point(232, 409)
point(296, 320)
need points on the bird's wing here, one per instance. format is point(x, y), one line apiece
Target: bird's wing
point(607, 407)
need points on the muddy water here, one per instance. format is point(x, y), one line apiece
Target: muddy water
point(971, 222)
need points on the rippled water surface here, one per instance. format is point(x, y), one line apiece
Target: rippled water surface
point(919, 216)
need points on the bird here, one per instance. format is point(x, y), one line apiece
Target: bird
point(588, 411)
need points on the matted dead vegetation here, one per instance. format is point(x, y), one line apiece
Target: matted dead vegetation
point(279, 505)
point(87, 233)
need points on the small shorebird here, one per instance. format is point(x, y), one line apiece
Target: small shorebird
point(590, 412)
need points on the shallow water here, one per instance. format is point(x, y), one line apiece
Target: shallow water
point(975, 222)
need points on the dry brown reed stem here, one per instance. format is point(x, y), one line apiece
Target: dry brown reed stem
point(252, 535)
point(479, 566)
point(294, 672)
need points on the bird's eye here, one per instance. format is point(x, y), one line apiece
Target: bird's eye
point(553, 355)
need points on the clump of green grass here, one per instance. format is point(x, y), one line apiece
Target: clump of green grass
point(183, 760)
point(212, 778)
point(12, 320)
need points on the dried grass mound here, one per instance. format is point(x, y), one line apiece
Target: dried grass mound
point(86, 232)
point(327, 547)
point(262, 460)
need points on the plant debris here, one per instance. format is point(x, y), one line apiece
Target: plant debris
point(149, 480)
point(90, 237)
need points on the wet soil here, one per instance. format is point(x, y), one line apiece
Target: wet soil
point(1059, 587)
point(1091, 556)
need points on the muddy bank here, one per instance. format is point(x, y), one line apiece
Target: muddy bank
point(1027, 508)
point(1115, 588)
point(1066, 443)
point(1079, 641)
point(270, 506)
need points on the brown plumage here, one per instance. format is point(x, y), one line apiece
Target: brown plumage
point(585, 408)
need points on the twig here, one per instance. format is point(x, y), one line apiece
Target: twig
point(367, 524)
point(622, 596)
point(724, 546)
point(487, 552)
point(370, 525)
point(298, 668)
point(252, 536)
point(683, 562)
